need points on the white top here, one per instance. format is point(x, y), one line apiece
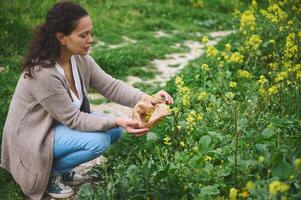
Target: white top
point(77, 101)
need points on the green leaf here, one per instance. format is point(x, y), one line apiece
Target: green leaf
point(282, 170)
point(216, 135)
point(205, 141)
point(267, 133)
point(210, 190)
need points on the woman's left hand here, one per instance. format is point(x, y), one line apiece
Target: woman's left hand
point(164, 95)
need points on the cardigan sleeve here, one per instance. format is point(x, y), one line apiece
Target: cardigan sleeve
point(113, 89)
point(60, 107)
point(50, 93)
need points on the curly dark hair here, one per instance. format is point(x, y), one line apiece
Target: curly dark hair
point(44, 49)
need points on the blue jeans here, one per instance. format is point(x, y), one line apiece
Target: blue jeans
point(72, 147)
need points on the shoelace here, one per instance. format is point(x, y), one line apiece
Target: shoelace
point(58, 183)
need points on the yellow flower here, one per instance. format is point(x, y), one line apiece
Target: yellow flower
point(247, 20)
point(262, 80)
point(244, 74)
point(273, 90)
point(228, 47)
point(274, 13)
point(208, 158)
point(186, 100)
point(254, 4)
point(272, 41)
point(211, 51)
point(244, 194)
point(291, 48)
point(191, 120)
point(175, 110)
point(261, 159)
point(179, 127)
point(203, 96)
point(200, 117)
point(182, 144)
point(253, 42)
point(297, 163)
point(250, 185)
point(281, 76)
point(197, 3)
point(233, 84)
point(229, 95)
point(236, 57)
point(167, 140)
point(233, 194)
point(205, 40)
point(277, 186)
point(205, 67)
point(273, 66)
point(179, 80)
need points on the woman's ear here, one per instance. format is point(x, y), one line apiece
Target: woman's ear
point(61, 38)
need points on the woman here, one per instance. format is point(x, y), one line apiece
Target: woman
point(50, 129)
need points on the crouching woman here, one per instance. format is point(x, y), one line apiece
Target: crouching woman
point(50, 128)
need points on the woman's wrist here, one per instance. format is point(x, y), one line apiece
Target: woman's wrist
point(145, 96)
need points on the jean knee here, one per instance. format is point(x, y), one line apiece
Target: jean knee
point(115, 134)
point(99, 144)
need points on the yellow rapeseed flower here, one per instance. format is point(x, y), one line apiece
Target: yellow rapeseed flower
point(229, 95)
point(211, 51)
point(179, 80)
point(208, 158)
point(277, 186)
point(297, 163)
point(228, 47)
point(233, 193)
point(244, 194)
point(250, 185)
point(203, 96)
point(205, 39)
point(244, 74)
point(273, 90)
point(167, 140)
point(236, 57)
point(247, 20)
point(205, 67)
point(274, 13)
point(291, 48)
point(253, 42)
point(281, 76)
point(261, 159)
point(233, 84)
point(200, 117)
point(191, 120)
point(262, 80)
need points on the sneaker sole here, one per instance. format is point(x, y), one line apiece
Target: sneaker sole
point(60, 196)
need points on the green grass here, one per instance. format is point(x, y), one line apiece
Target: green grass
point(136, 19)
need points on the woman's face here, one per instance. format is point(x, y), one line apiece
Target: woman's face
point(80, 40)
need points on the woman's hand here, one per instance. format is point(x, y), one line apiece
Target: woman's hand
point(164, 95)
point(161, 95)
point(131, 126)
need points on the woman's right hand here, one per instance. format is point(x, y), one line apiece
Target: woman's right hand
point(131, 126)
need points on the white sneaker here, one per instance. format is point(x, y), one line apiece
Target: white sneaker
point(57, 189)
point(72, 179)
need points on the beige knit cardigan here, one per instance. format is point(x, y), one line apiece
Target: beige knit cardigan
point(28, 133)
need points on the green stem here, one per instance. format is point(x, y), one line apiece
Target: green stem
point(220, 90)
point(236, 146)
